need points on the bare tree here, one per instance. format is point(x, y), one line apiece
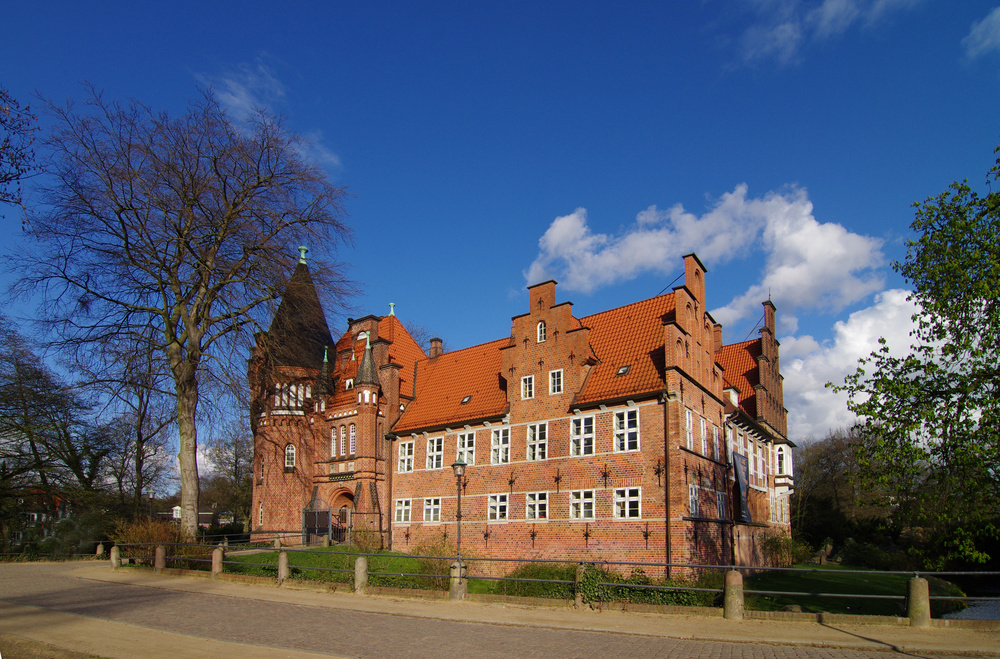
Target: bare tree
point(17, 127)
point(230, 449)
point(184, 224)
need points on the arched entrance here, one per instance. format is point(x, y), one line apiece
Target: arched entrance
point(342, 507)
point(317, 521)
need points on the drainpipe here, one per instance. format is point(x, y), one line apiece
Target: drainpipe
point(666, 473)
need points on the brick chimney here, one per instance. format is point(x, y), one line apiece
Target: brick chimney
point(436, 349)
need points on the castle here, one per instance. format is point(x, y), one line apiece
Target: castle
point(633, 434)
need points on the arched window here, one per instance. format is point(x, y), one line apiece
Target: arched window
point(353, 440)
point(333, 443)
point(343, 441)
point(260, 515)
point(541, 331)
point(289, 456)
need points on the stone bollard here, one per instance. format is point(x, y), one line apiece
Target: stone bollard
point(577, 589)
point(918, 603)
point(284, 571)
point(225, 541)
point(277, 542)
point(360, 575)
point(459, 581)
point(217, 556)
point(732, 608)
point(326, 541)
point(100, 550)
point(116, 561)
point(159, 558)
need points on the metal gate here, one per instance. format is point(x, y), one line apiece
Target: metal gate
point(340, 528)
point(317, 521)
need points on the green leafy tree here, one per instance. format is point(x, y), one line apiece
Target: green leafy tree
point(927, 431)
point(187, 225)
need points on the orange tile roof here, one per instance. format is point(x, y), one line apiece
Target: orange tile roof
point(627, 336)
point(444, 381)
point(740, 363)
point(403, 351)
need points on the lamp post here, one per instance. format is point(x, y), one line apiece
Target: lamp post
point(459, 468)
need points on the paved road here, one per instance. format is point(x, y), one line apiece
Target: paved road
point(169, 618)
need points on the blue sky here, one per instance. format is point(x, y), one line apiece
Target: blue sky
point(490, 145)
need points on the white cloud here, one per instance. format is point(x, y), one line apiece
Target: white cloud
point(814, 410)
point(808, 265)
point(247, 88)
point(984, 36)
point(779, 29)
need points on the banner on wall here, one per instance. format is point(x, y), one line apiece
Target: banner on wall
point(743, 481)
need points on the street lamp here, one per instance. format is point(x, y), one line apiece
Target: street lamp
point(459, 468)
point(150, 495)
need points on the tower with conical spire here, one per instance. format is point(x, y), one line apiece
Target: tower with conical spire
point(320, 412)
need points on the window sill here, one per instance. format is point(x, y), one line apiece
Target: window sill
point(289, 470)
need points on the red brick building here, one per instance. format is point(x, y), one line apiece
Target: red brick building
point(633, 434)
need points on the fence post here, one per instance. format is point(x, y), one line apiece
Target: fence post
point(217, 556)
point(918, 602)
point(732, 607)
point(100, 550)
point(360, 574)
point(577, 589)
point(277, 542)
point(283, 571)
point(459, 583)
point(159, 558)
point(116, 561)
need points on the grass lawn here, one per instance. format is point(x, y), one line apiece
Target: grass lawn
point(315, 564)
point(840, 580)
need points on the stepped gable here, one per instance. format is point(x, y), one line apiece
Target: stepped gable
point(631, 336)
point(739, 361)
point(298, 332)
point(443, 382)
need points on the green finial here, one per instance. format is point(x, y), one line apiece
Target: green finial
point(302, 254)
point(392, 310)
point(368, 340)
point(325, 349)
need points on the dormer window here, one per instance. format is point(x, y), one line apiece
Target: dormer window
point(623, 370)
point(362, 336)
point(466, 400)
point(541, 331)
point(349, 383)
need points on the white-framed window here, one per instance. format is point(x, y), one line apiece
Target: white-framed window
point(354, 439)
point(581, 436)
point(405, 457)
point(536, 505)
point(432, 510)
point(403, 510)
point(689, 428)
point(704, 436)
point(527, 387)
point(694, 504)
point(556, 381)
point(435, 453)
point(466, 448)
point(500, 446)
point(627, 430)
point(260, 515)
point(715, 443)
point(498, 507)
point(720, 504)
point(343, 441)
point(289, 456)
point(581, 504)
point(729, 443)
point(628, 503)
point(541, 331)
point(349, 383)
point(333, 443)
point(538, 434)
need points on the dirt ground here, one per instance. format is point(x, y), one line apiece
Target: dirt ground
point(12, 647)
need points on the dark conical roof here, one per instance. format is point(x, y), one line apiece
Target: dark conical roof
point(367, 371)
point(299, 333)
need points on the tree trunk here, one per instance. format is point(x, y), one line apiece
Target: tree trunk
point(187, 458)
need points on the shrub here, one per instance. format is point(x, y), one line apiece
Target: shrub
point(138, 539)
point(782, 550)
point(593, 589)
point(554, 571)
